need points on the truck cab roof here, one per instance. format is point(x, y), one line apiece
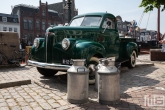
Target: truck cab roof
point(95, 14)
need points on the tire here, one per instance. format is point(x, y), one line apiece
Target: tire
point(46, 72)
point(94, 61)
point(132, 60)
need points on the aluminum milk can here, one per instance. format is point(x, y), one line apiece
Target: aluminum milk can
point(109, 83)
point(77, 82)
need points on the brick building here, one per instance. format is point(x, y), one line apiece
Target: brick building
point(35, 20)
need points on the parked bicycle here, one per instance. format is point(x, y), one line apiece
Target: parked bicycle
point(18, 57)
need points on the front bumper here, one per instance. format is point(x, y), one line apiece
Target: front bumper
point(48, 65)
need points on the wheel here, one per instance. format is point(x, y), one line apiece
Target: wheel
point(94, 61)
point(132, 60)
point(46, 72)
point(20, 58)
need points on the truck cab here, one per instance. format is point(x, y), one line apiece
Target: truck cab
point(88, 36)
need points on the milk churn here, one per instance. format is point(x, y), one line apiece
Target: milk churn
point(77, 82)
point(109, 83)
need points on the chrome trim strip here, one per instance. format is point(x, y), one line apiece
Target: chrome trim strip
point(46, 46)
point(48, 66)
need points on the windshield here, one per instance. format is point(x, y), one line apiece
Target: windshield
point(86, 21)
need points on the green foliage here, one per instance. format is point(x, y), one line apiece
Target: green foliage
point(149, 5)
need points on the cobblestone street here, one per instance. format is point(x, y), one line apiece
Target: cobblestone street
point(51, 93)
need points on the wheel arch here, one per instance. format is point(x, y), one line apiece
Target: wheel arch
point(87, 50)
point(132, 46)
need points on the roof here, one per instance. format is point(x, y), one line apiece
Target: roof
point(30, 8)
point(25, 5)
point(96, 13)
point(56, 6)
point(8, 15)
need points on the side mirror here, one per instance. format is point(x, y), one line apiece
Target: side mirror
point(108, 23)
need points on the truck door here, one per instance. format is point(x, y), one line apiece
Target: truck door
point(111, 38)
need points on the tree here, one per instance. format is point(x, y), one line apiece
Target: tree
point(149, 5)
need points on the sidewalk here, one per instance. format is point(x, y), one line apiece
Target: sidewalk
point(138, 86)
point(146, 58)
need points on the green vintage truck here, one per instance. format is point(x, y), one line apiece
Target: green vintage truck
point(89, 36)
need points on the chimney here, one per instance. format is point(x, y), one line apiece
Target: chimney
point(40, 2)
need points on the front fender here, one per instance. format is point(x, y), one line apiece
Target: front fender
point(38, 53)
point(87, 49)
point(130, 47)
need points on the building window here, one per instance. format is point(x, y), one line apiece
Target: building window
point(38, 25)
point(30, 24)
point(55, 24)
point(43, 13)
point(43, 26)
point(124, 26)
point(119, 25)
point(49, 24)
point(4, 19)
point(15, 29)
point(30, 39)
point(4, 28)
point(10, 29)
point(14, 20)
point(25, 24)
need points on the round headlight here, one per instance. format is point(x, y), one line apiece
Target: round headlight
point(65, 43)
point(36, 42)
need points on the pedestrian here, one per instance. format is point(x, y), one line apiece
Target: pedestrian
point(23, 44)
point(127, 35)
point(163, 42)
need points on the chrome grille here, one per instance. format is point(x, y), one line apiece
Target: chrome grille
point(59, 55)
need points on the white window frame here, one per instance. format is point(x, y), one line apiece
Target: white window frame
point(4, 19)
point(4, 28)
point(11, 29)
point(15, 29)
point(124, 26)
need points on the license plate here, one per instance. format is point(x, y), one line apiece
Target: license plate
point(66, 62)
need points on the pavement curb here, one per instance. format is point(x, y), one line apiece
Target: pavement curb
point(143, 63)
point(156, 62)
point(12, 83)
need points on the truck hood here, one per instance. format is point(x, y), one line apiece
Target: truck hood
point(75, 32)
point(71, 32)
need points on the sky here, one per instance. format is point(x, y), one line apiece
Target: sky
point(128, 9)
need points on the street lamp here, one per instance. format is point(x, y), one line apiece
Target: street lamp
point(158, 24)
point(69, 11)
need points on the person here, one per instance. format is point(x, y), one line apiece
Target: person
point(23, 44)
point(163, 42)
point(127, 35)
point(163, 39)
